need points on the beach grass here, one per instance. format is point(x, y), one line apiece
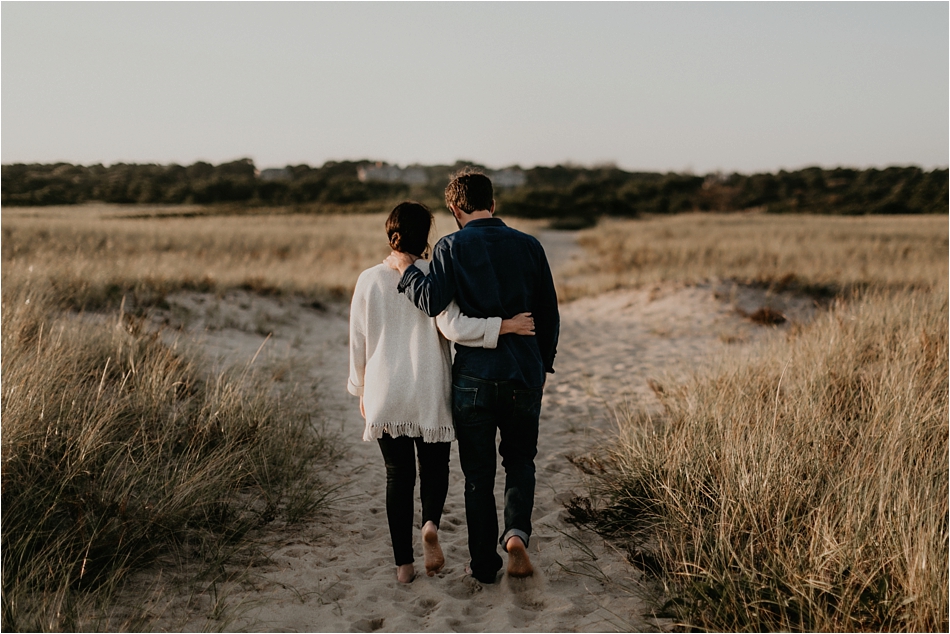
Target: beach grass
point(824, 256)
point(802, 486)
point(94, 255)
point(122, 451)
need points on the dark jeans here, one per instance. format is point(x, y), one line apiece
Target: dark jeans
point(479, 407)
point(400, 456)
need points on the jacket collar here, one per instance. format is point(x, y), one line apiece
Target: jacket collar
point(484, 222)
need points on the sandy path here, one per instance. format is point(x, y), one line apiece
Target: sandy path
point(337, 574)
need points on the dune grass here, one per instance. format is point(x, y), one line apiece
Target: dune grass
point(95, 255)
point(820, 255)
point(120, 451)
point(93, 258)
point(803, 487)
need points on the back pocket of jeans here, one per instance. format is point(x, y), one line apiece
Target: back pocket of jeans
point(463, 399)
point(528, 402)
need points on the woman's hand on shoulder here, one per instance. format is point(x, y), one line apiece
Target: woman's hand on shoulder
point(520, 324)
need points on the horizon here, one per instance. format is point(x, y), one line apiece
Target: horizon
point(566, 164)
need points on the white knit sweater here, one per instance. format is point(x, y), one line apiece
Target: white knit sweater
point(400, 363)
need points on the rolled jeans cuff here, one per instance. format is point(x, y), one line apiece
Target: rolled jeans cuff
point(511, 533)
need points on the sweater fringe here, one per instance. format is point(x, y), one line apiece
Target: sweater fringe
point(411, 429)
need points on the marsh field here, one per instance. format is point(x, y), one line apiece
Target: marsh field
point(746, 431)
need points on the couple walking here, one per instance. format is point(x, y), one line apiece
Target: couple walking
point(489, 289)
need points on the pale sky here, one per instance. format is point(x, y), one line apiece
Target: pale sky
point(743, 87)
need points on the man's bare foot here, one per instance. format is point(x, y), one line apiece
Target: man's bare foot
point(405, 573)
point(431, 549)
point(519, 565)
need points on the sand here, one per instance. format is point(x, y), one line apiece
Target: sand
point(336, 573)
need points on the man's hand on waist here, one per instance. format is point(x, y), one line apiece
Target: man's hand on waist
point(520, 324)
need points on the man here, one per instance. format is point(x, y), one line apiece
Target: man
point(491, 269)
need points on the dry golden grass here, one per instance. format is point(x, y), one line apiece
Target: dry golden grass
point(94, 259)
point(804, 488)
point(93, 255)
point(823, 254)
point(118, 449)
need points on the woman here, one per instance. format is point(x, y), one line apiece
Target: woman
point(400, 367)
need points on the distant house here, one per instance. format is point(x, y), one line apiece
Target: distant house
point(275, 174)
point(507, 178)
point(715, 178)
point(386, 173)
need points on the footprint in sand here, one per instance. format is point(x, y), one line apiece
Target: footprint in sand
point(475, 612)
point(463, 587)
point(369, 534)
point(456, 625)
point(424, 607)
point(520, 618)
point(447, 527)
point(336, 592)
point(527, 593)
point(368, 625)
point(467, 616)
point(533, 604)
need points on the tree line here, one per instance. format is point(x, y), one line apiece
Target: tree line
point(572, 194)
point(200, 183)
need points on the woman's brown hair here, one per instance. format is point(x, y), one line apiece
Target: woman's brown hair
point(408, 228)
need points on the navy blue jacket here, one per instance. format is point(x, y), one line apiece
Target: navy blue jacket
point(493, 270)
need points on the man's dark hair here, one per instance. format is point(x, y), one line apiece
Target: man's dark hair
point(408, 228)
point(470, 191)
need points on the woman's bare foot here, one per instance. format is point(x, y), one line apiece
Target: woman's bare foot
point(519, 565)
point(431, 549)
point(405, 573)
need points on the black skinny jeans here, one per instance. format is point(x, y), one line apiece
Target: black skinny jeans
point(400, 458)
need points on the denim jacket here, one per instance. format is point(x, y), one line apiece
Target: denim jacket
point(493, 270)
